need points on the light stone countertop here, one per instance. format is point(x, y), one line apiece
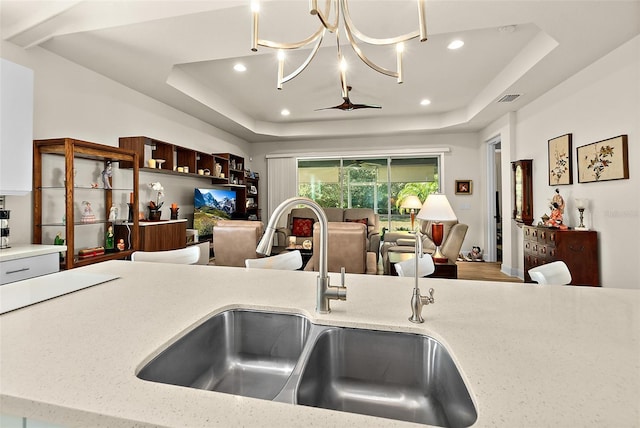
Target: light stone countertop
point(20, 251)
point(531, 356)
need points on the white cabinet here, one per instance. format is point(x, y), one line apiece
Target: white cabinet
point(28, 261)
point(28, 267)
point(8, 421)
point(16, 128)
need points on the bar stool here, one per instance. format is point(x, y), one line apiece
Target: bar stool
point(289, 260)
point(554, 273)
point(408, 267)
point(185, 256)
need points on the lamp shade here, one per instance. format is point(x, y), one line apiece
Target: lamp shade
point(411, 202)
point(436, 207)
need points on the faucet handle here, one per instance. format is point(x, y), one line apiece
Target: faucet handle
point(342, 275)
point(430, 299)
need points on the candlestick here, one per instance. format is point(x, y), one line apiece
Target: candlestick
point(174, 212)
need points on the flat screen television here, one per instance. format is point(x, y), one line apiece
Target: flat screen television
point(211, 205)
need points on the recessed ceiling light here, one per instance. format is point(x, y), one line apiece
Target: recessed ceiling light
point(285, 112)
point(425, 102)
point(239, 67)
point(456, 44)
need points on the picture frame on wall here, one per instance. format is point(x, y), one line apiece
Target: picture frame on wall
point(464, 187)
point(560, 161)
point(604, 160)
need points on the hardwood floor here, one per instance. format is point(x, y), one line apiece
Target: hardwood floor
point(483, 271)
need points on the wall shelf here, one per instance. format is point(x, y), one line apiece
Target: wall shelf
point(231, 168)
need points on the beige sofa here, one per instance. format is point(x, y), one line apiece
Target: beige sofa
point(404, 242)
point(335, 215)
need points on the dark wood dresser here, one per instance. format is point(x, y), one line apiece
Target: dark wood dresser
point(577, 248)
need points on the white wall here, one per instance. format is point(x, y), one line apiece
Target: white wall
point(463, 162)
point(72, 101)
point(600, 102)
point(511, 242)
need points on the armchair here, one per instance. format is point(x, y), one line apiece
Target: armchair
point(234, 241)
point(346, 248)
point(404, 242)
point(300, 223)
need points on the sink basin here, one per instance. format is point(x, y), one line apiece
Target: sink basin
point(286, 358)
point(392, 375)
point(237, 352)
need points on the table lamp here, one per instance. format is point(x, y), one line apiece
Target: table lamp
point(437, 209)
point(412, 203)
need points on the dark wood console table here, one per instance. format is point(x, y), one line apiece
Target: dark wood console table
point(577, 248)
point(443, 270)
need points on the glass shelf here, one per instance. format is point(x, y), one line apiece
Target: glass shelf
point(85, 188)
point(79, 223)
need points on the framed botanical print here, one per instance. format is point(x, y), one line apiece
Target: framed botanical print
point(604, 160)
point(464, 187)
point(560, 162)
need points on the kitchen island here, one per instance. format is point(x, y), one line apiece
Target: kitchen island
point(530, 355)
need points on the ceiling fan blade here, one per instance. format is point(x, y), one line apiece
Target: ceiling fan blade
point(329, 108)
point(347, 105)
point(357, 106)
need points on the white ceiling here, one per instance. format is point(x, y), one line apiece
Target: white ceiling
point(182, 53)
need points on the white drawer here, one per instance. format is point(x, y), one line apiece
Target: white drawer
point(28, 267)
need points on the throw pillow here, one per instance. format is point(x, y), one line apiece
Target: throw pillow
point(302, 227)
point(364, 221)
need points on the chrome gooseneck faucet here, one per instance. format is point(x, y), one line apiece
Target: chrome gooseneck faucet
point(417, 300)
point(325, 292)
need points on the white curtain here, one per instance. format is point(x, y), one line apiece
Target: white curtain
point(282, 183)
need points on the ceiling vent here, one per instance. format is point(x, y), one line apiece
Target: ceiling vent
point(509, 98)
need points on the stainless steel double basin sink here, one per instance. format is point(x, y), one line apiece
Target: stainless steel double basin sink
point(286, 358)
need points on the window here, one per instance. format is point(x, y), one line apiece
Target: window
point(377, 183)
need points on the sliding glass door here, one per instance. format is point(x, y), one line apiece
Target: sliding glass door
point(377, 183)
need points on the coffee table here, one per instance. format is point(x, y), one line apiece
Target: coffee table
point(443, 270)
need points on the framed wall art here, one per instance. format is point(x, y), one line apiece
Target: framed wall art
point(560, 163)
point(604, 160)
point(464, 187)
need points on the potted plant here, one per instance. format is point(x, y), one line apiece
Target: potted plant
point(154, 206)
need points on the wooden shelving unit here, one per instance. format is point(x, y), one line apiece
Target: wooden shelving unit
point(252, 194)
point(231, 168)
point(75, 152)
point(175, 157)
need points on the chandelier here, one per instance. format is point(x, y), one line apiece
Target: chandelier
point(341, 14)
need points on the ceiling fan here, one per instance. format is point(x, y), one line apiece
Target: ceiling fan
point(347, 105)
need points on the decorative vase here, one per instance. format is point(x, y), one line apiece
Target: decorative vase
point(154, 215)
point(218, 168)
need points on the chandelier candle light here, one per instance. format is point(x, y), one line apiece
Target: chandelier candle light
point(437, 209)
point(581, 204)
point(412, 203)
point(339, 9)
